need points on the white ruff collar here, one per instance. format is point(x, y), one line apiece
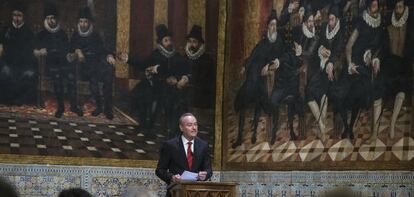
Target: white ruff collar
point(17, 26)
point(197, 54)
point(400, 22)
point(165, 52)
point(86, 33)
point(371, 21)
point(306, 31)
point(331, 34)
point(49, 29)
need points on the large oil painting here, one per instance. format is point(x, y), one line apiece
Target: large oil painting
point(318, 85)
point(104, 82)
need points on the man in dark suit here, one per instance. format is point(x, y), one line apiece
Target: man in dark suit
point(186, 152)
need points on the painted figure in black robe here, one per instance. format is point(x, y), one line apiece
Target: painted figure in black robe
point(167, 78)
point(203, 78)
point(286, 87)
point(321, 82)
point(96, 62)
point(259, 68)
point(306, 39)
point(399, 58)
point(305, 36)
point(18, 72)
point(362, 83)
point(52, 44)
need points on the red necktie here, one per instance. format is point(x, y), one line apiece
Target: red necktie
point(189, 155)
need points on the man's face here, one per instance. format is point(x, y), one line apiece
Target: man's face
point(399, 8)
point(167, 43)
point(84, 24)
point(17, 17)
point(272, 27)
point(373, 8)
point(310, 23)
point(193, 44)
point(51, 21)
point(189, 127)
point(332, 21)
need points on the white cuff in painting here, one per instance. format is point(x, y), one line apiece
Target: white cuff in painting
point(298, 50)
point(323, 59)
point(350, 69)
point(367, 55)
point(376, 61)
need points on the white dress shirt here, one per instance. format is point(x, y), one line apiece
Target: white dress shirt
point(185, 144)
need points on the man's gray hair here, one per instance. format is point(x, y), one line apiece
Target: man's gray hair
point(183, 116)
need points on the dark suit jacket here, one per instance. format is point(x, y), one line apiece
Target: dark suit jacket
point(173, 159)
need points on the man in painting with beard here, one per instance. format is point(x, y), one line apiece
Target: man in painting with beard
point(400, 58)
point(52, 43)
point(305, 38)
point(167, 77)
point(364, 81)
point(202, 70)
point(18, 71)
point(328, 63)
point(96, 63)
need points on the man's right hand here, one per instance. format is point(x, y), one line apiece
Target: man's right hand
point(298, 49)
point(265, 70)
point(80, 55)
point(153, 69)
point(325, 52)
point(175, 178)
point(352, 69)
point(243, 69)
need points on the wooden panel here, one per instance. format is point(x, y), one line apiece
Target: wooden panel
point(177, 22)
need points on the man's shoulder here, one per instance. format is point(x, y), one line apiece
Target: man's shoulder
point(171, 142)
point(201, 141)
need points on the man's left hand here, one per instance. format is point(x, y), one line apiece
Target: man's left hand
point(202, 175)
point(182, 83)
point(111, 60)
point(376, 66)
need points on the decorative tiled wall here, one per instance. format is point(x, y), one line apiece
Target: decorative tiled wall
point(48, 180)
point(313, 184)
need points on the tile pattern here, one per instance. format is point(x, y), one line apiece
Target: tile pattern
point(78, 139)
point(313, 184)
point(48, 180)
point(309, 149)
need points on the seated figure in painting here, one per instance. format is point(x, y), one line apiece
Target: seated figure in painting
point(399, 59)
point(328, 64)
point(361, 83)
point(165, 87)
point(96, 62)
point(270, 53)
point(53, 45)
point(202, 80)
point(18, 69)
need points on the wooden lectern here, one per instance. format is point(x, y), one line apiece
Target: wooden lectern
point(203, 189)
